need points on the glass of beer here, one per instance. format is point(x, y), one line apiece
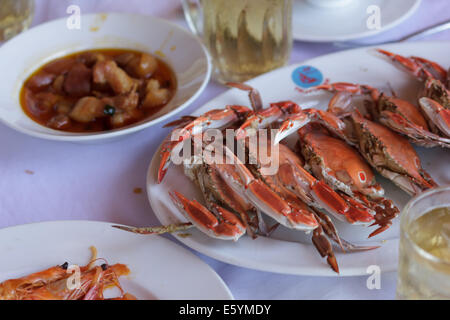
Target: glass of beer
point(245, 38)
point(424, 256)
point(15, 17)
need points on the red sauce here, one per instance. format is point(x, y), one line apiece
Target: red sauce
point(50, 95)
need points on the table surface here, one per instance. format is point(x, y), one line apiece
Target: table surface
point(96, 182)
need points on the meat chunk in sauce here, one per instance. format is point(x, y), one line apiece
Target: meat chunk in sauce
point(98, 90)
point(124, 102)
point(41, 81)
point(78, 80)
point(41, 104)
point(123, 118)
point(91, 58)
point(142, 66)
point(155, 95)
point(108, 72)
point(59, 66)
point(88, 109)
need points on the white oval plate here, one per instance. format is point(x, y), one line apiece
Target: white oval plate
point(318, 24)
point(159, 268)
point(25, 53)
point(282, 252)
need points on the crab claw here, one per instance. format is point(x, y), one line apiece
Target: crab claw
point(434, 68)
point(169, 147)
point(264, 118)
point(325, 249)
point(409, 64)
point(213, 119)
point(290, 126)
point(437, 114)
point(253, 94)
point(332, 202)
point(340, 87)
point(296, 122)
point(386, 212)
point(221, 224)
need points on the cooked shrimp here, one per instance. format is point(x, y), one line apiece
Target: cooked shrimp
point(55, 283)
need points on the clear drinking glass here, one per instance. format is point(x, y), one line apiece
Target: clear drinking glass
point(245, 38)
point(424, 256)
point(15, 17)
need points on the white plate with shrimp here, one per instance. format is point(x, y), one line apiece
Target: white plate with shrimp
point(159, 269)
point(288, 251)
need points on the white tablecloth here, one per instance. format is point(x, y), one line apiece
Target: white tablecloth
point(96, 182)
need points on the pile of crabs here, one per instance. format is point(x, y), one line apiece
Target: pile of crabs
point(331, 169)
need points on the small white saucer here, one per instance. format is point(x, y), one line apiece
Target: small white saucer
point(320, 24)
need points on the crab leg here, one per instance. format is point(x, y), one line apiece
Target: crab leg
point(436, 78)
point(214, 119)
point(220, 224)
point(253, 95)
point(324, 247)
point(411, 65)
point(171, 228)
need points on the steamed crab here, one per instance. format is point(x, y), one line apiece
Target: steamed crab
point(235, 192)
point(434, 99)
point(342, 168)
point(397, 114)
point(353, 179)
point(389, 153)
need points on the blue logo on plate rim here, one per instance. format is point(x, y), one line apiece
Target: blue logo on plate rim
point(307, 76)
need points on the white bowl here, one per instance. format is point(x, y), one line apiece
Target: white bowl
point(22, 55)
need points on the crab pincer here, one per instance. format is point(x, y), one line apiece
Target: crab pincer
point(219, 223)
point(418, 67)
point(266, 117)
